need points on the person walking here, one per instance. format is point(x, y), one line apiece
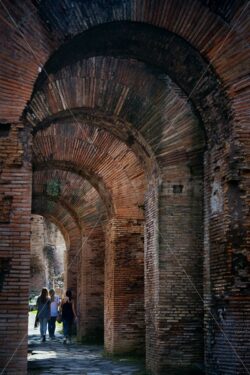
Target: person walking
point(68, 316)
point(43, 312)
point(54, 303)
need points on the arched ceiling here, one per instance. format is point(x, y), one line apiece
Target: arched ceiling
point(164, 54)
point(152, 111)
point(70, 190)
point(48, 205)
point(37, 28)
point(120, 88)
point(86, 148)
point(59, 225)
point(126, 9)
point(61, 216)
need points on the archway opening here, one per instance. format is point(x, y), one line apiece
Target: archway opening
point(48, 251)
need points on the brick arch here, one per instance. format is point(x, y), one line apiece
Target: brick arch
point(160, 16)
point(149, 44)
point(61, 227)
point(62, 203)
point(85, 263)
point(225, 165)
point(99, 153)
point(117, 127)
point(93, 179)
point(55, 141)
point(180, 161)
point(72, 191)
point(142, 115)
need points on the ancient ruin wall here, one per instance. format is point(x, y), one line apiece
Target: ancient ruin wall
point(15, 207)
point(47, 254)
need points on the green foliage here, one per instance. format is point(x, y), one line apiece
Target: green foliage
point(53, 188)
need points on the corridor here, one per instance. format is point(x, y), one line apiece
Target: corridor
point(53, 357)
point(124, 178)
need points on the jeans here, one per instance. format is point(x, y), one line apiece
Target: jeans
point(52, 326)
point(43, 326)
point(67, 328)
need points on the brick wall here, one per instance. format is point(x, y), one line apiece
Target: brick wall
point(174, 269)
point(180, 322)
point(151, 235)
point(91, 286)
point(15, 183)
point(203, 47)
point(124, 286)
point(226, 268)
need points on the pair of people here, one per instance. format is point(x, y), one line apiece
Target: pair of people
point(47, 312)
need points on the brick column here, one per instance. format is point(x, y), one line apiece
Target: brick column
point(124, 286)
point(227, 319)
point(174, 271)
point(91, 286)
point(71, 255)
point(15, 213)
point(181, 271)
point(151, 273)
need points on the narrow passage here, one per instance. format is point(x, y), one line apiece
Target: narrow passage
point(54, 357)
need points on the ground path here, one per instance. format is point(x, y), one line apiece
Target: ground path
point(54, 357)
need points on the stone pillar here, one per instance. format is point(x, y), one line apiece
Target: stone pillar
point(124, 286)
point(15, 212)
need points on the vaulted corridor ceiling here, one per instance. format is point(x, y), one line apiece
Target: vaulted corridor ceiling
point(125, 122)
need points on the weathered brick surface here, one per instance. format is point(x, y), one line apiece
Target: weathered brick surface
point(181, 268)
point(202, 46)
point(226, 263)
point(124, 286)
point(97, 154)
point(15, 182)
point(152, 280)
point(91, 286)
point(88, 211)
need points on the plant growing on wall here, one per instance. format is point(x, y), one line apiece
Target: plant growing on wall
point(53, 188)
